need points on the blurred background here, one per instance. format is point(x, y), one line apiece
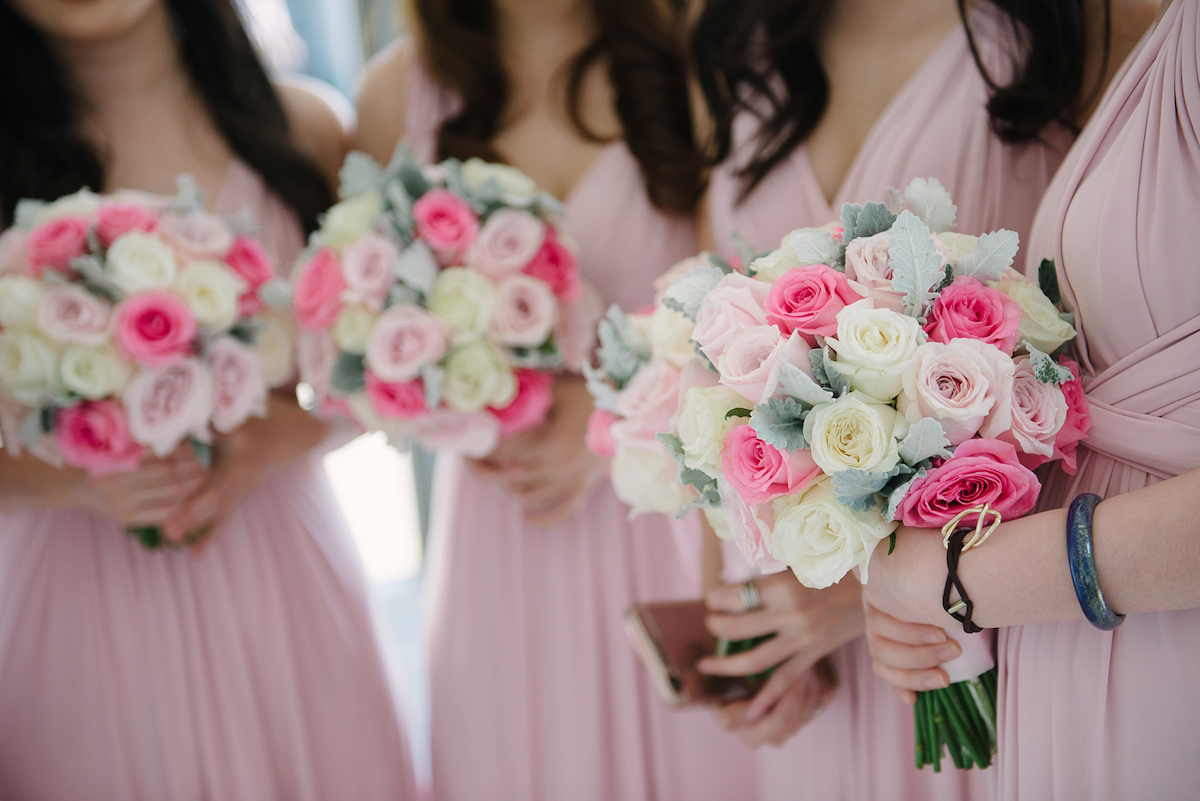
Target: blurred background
point(327, 42)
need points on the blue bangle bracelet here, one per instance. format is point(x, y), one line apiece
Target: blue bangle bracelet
point(1083, 564)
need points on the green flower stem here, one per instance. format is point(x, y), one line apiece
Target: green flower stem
point(967, 741)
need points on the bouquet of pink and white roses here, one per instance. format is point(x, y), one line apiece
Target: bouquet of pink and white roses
point(130, 324)
point(881, 371)
point(437, 302)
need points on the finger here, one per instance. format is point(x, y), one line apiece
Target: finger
point(756, 660)
point(906, 696)
point(556, 513)
point(197, 512)
point(726, 598)
point(778, 725)
point(732, 716)
point(912, 657)
point(917, 680)
point(901, 631)
point(784, 678)
point(743, 626)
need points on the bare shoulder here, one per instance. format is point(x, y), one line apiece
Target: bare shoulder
point(319, 116)
point(382, 99)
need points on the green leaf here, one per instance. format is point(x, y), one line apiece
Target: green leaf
point(992, 256)
point(245, 332)
point(432, 378)
point(739, 412)
point(703, 483)
point(929, 200)
point(891, 542)
point(349, 373)
point(925, 440)
point(151, 537)
point(864, 221)
point(46, 417)
point(1048, 281)
point(796, 383)
point(689, 290)
point(1045, 369)
point(359, 174)
point(813, 246)
point(780, 422)
point(622, 350)
point(857, 488)
point(916, 266)
point(604, 395)
point(825, 373)
point(202, 450)
point(417, 267)
point(896, 496)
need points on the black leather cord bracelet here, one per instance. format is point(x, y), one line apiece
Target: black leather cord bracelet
point(961, 609)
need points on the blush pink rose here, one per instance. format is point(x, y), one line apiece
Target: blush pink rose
point(557, 265)
point(969, 309)
point(70, 314)
point(868, 262)
point(368, 267)
point(119, 217)
point(599, 438)
point(396, 400)
point(167, 404)
point(52, 245)
point(807, 299)
point(318, 291)
point(316, 354)
point(471, 435)
point(1078, 423)
point(759, 472)
point(749, 528)
point(249, 259)
point(1039, 412)
point(196, 235)
point(446, 223)
point(649, 401)
point(752, 361)
point(238, 387)
point(964, 384)
point(95, 435)
point(507, 243)
point(575, 332)
point(981, 471)
point(735, 303)
point(12, 252)
point(531, 405)
point(405, 339)
point(154, 328)
point(526, 312)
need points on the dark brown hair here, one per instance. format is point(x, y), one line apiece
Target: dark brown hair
point(760, 56)
point(43, 153)
point(460, 47)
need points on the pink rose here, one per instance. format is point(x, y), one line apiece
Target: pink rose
point(531, 405)
point(1038, 414)
point(368, 266)
point(650, 399)
point(69, 313)
point(557, 265)
point(507, 243)
point(471, 435)
point(119, 217)
point(749, 526)
point(759, 472)
point(807, 299)
point(735, 303)
point(868, 262)
point(196, 235)
point(400, 401)
point(1078, 422)
point(599, 434)
point(575, 331)
point(526, 312)
point(965, 385)
point(95, 435)
point(318, 291)
point(405, 339)
point(969, 309)
point(52, 245)
point(316, 354)
point(238, 387)
point(12, 252)
point(249, 259)
point(752, 361)
point(981, 471)
point(167, 404)
point(446, 223)
point(154, 328)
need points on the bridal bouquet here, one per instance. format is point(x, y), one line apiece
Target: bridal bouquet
point(880, 371)
point(130, 324)
point(436, 303)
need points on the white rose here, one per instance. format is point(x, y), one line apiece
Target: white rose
point(514, 187)
point(477, 375)
point(1040, 321)
point(212, 291)
point(952, 247)
point(80, 204)
point(669, 333)
point(873, 348)
point(771, 266)
point(20, 297)
point(274, 341)
point(702, 425)
point(347, 221)
point(352, 328)
point(643, 475)
point(820, 539)
point(93, 372)
point(854, 432)
point(465, 300)
point(137, 262)
point(28, 366)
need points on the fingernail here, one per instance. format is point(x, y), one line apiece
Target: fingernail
point(947, 653)
point(933, 637)
point(935, 682)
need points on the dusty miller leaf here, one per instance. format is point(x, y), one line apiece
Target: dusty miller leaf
point(689, 290)
point(868, 220)
point(359, 174)
point(813, 246)
point(797, 384)
point(349, 374)
point(925, 440)
point(698, 480)
point(604, 395)
point(1045, 369)
point(896, 496)
point(417, 267)
point(916, 266)
point(780, 422)
point(432, 378)
point(826, 374)
point(623, 350)
point(929, 200)
point(992, 255)
point(857, 488)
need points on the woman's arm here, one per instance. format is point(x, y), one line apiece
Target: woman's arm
point(382, 99)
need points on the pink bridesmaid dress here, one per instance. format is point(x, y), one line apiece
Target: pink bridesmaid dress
point(535, 692)
point(1087, 714)
point(247, 672)
point(861, 746)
